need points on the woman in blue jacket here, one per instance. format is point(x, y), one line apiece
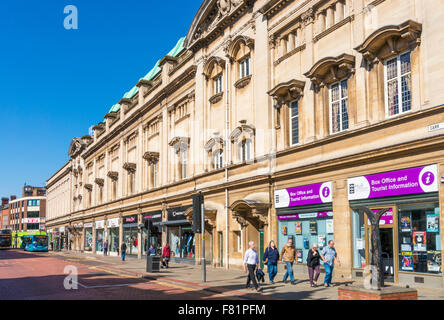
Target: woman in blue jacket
point(271, 258)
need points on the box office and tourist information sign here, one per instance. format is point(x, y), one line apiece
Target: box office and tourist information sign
point(303, 195)
point(394, 183)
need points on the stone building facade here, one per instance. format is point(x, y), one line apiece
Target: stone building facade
point(288, 115)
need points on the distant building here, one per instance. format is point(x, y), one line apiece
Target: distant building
point(28, 213)
point(4, 214)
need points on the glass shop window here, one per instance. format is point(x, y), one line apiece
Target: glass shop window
point(419, 238)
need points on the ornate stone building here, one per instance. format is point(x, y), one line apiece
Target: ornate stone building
point(287, 115)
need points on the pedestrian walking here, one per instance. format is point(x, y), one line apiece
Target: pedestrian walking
point(166, 254)
point(123, 251)
point(328, 256)
point(314, 265)
point(288, 255)
point(271, 258)
point(105, 248)
point(251, 262)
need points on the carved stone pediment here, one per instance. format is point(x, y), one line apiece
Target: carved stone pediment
point(113, 175)
point(287, 92)
point(243, 128)
point(212, 18)
point(256, 211)
point(212, 142)
point(151, 157)
point(211, 63)
point(180, 143)
point(210, 217)
point(331, 69)
point(111, 115)
point(100, 182)
point(391, 40)
point(88, 186)
point(76, 147)
point(129, 166)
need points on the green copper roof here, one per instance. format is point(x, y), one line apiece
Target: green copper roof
point(173, 53)
point(177, 49)
point(153, 72)
point(114, 108)
point(131, 93)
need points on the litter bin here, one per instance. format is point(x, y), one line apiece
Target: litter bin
point(153, 264)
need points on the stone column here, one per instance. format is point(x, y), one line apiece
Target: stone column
point(120, 183)
point(330, 17)
point(342, 232)
point(283, 46)
point(291, 41)
point(320, 22)
point(339, 12)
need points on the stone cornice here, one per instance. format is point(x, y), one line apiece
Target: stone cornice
point(287, 92)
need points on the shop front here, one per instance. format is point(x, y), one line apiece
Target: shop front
point(180, 235)
point(130, 234)
point(113, 235)
point(156, 235)
point(100, 232)
point(88, 240)
point(305, 216)
point(410, 229)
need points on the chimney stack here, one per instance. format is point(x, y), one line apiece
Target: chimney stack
point(5, 201)
point(13, 198)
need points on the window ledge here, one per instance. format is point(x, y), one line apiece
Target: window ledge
point(216, 98)
point(243, 82)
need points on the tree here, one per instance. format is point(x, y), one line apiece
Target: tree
point(376, 257)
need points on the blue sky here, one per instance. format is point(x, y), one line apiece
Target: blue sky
point(56, 83)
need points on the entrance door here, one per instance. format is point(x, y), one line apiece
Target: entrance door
point(221, 248)
point(387, 243)
point(387, 254)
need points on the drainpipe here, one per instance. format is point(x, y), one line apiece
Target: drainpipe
point(227, 158)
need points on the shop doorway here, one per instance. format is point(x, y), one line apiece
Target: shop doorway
point(388, 253)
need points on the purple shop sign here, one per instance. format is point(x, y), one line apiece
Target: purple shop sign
point(306, 215)
point(394, 183)
point(386, 219)
point(303, 195)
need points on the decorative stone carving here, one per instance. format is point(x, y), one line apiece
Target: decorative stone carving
point(308, 16)
point(151, 157)
point(100, 182)
point(243, 128)
point(76, 147)
point(287, 92)
point(216, 98)
point(130, 167)
point(243, 82)
point(331, 69)
point(88, 186)
point(390, 40)
point(113, 175)
point(180, 143)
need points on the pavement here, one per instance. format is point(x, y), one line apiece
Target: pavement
point(42, 276)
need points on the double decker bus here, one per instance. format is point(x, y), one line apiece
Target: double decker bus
point(5, 239)
point(35, 243)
